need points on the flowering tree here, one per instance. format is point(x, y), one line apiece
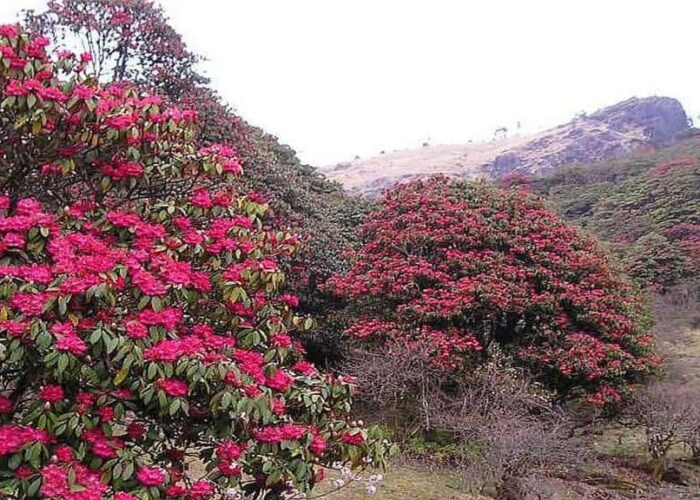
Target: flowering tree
point(450, 267)
point(133, 39)
point(145, 350)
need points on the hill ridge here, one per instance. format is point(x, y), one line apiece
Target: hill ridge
point(611, 132)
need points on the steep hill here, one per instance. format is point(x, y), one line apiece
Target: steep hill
point(612, 132)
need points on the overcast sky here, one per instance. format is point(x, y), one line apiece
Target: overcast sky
point(339, 78)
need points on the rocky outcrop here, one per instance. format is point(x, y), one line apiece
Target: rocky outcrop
point(612, 132)
point(660, 118)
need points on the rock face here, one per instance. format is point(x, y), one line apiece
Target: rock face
point(611, 132)
point(660, 118)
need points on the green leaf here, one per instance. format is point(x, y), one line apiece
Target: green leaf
point(121, 375)
point(128, 471)
point(143, 301)
point(62, 363)
point(14, 462)
point(111, 343)
point(226, 400)
point(174, 407)
point(95, 336)
point(34, 487)
point(156, 304)
point(63, 305)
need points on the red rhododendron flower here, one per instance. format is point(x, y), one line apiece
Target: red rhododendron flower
point(279, 381)
point(172, 387)
point(287, 432)
point(6, 405)
point(304, 368)
point(176, 490)
point(64, 454)
point(135, 430)
point(9, 30)
point(24, 472)
point(354, 439)
point(318, 446)
point(201, 490)
point(120, 495)
point(51, 393)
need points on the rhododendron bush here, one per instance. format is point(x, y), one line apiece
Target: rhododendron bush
point(450, 267)
point(133, 39)
point(145, 349)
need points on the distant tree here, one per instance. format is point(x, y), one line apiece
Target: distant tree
point(127, 40)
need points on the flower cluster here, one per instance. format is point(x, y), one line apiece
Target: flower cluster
point(149, 52)
point(450, 267)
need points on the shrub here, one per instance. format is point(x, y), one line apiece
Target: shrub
point(145, 347)
point(493, 423)
point(668, 414)
point(449, 268)
point(656, 262)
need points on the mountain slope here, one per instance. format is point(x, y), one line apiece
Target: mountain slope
point(646, 206)
point(612, 132)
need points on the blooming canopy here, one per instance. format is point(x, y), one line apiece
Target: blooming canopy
point(450, 267)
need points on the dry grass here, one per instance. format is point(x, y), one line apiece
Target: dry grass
point(619, 441)
point(401, 482)
point(687, 354)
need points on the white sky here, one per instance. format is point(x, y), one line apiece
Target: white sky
point(339, 78)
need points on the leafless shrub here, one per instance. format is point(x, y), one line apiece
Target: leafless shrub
point(507, 423)
point(513, 423)
point(669, 414)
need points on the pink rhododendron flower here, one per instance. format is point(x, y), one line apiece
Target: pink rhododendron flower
point(151, 476)
point(6, 405)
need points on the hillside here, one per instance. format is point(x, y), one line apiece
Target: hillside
point(612, 132)
point(645, 206)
